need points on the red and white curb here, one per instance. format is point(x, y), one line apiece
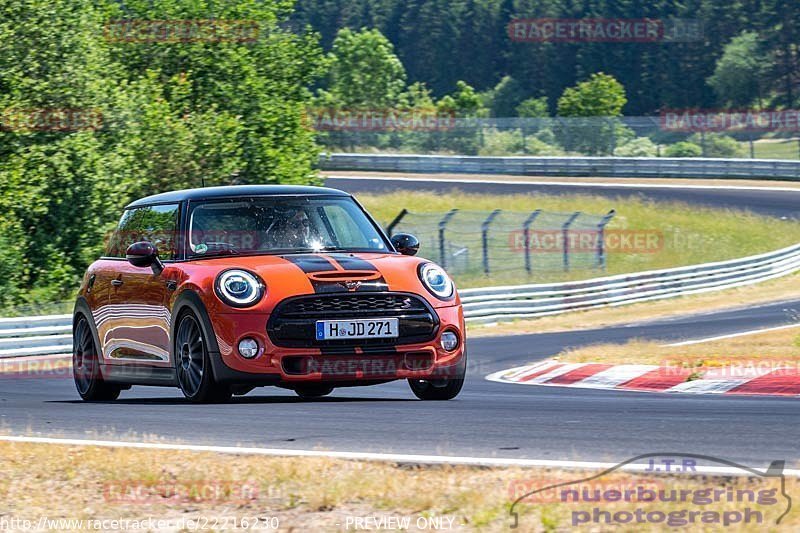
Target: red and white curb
point(752, 380)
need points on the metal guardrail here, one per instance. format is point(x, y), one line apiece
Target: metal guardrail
point(46, 335)
point(527, 301)
point(35, 335)
point(615, 167)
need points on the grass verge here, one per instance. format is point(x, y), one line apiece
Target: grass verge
point(777, 347)
point(775, 149)
point(315, 494)
point(685, 235)
point(780, 289)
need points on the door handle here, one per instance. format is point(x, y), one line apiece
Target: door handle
point(117, 282)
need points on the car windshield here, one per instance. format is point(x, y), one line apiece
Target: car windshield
point(281, 224)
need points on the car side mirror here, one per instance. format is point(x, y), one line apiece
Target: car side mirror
point(405, 243)
point(144, 254)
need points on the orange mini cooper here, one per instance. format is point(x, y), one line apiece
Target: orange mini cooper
point(224, 289)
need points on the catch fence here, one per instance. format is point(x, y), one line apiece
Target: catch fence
point(489, 242)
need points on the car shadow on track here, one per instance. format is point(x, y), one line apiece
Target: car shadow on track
point(244, 400)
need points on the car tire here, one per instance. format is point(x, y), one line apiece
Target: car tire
point(311, 392)
point(193, 363)
point(86, 366)
point(440, 389)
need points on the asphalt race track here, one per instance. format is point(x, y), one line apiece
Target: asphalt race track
point(778, 203)
point(488, 419)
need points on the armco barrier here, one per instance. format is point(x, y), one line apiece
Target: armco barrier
point(46, 335)
point(615, 167)
point(35, 335)
point(527, 301)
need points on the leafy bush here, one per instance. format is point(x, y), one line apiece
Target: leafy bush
point(547, 136)
point(502, 143)
point(683, 149)
point(719, 145)
point(536, 146)
point(638, 147)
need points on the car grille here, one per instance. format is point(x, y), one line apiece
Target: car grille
point(293, 322)
point(353, 305)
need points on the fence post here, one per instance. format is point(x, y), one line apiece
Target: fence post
point(526, 235)
point(485, 238)
point(601, 240)
point(396, 221)
point(565, 237)
point(442, 227)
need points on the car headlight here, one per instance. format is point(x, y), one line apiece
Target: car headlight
point(436, 280)
point(239, 288)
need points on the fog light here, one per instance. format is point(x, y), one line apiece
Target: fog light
point(449, 341)
point(248, 348)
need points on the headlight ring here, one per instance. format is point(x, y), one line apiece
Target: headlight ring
point(436, 281)
point(239, 288)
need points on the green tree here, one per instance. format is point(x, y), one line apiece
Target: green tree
point(506, 96)
point(600, 96)
point(365, 72)
point(174, 114)
point(738, 74)
point(463, 102)
point(590, 110)
point(533, 108)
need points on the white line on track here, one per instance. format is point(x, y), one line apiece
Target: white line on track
point(385, 457)
point(635, 185)
point(732, 335)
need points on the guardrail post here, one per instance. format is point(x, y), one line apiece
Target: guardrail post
point(485, 238)
point(565, 237)
point(396, 221)
point(601, 241)
point(442, 228)
point(526, 236)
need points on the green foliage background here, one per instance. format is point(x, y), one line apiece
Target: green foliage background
point(174, 115)
point(441, 42)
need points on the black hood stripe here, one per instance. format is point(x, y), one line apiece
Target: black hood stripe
point(310, 264)
point(353, 263)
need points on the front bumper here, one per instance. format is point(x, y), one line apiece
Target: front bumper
point(343, 365)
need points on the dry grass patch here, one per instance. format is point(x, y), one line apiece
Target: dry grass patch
point(305, 494)
point(785, 288)
point(774, 347)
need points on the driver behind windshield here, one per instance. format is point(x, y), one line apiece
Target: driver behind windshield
point(292, 229)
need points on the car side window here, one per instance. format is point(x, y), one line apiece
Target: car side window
point(157, 224)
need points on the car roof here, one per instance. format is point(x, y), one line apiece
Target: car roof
point(234, 191)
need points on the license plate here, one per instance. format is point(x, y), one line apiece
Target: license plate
point(366, 328)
